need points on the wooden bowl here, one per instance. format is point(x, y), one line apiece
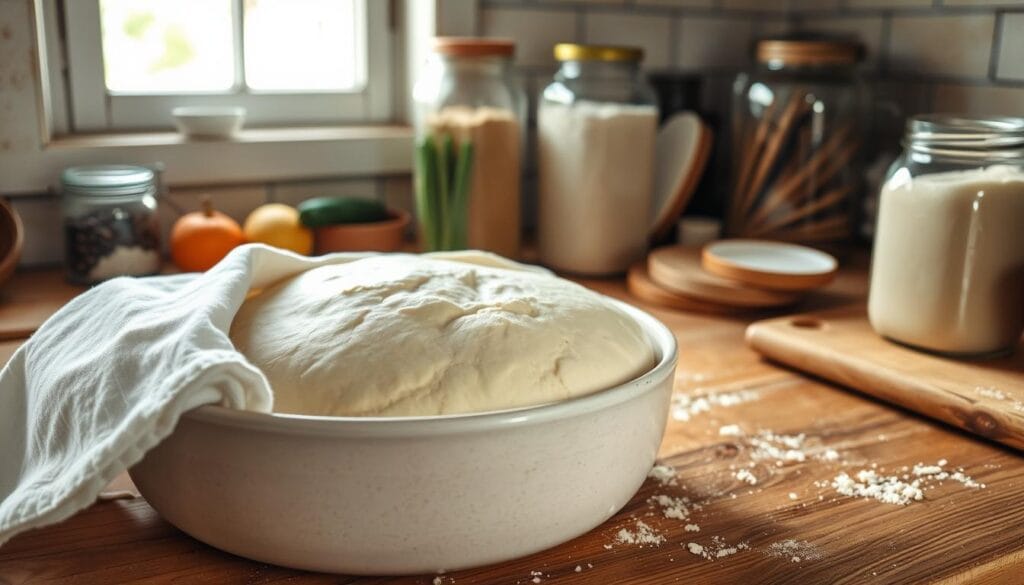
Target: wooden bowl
point(375, 236)
point(12, 237)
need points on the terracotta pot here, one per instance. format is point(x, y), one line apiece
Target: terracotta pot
point(12, 236)
point(375, 236)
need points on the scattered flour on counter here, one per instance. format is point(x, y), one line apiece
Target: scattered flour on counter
point(794, 550)
point(888, 490)
point(900, 490)
point(644, 535)
point(663, 474)
point(536, 576)
point(785, 448)
point(793, 496)
point(692, 528)
point(746, 475)
point(730, 431)
point(685, 407)
point(675, 508)
point(830, 455)
point(578, 569)
point(717, 549)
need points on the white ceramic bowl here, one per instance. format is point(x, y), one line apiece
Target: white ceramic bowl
point(391, 496)
point(208, 121)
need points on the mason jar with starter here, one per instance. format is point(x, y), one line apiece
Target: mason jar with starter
point(596, 126)
point(947, 271)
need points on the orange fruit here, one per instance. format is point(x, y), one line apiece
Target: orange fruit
point(277, 224)
point(200, 239)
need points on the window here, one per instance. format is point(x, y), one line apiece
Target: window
point(289, 62)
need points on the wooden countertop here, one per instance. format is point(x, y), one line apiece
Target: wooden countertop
point(957, 534)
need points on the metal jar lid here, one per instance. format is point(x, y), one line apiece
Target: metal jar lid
point(576, 52)
point(107, 180)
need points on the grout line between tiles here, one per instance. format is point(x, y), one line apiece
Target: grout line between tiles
point(997, 41)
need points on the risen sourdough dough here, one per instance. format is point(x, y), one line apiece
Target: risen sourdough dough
point(403, 335)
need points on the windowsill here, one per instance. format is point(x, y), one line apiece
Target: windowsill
point(244, 136)
point(254, 155)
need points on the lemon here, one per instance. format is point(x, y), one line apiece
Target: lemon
point(277, 224)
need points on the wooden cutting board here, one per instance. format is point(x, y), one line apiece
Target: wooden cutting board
point(982, 397)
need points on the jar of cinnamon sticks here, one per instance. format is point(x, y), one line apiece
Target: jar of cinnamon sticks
point(797, 123)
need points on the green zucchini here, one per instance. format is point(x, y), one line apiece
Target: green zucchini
point(324, 211)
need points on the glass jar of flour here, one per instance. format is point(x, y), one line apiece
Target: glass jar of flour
point(947, 271)
point(596, 127)
point(470, 113)
point(110, 223)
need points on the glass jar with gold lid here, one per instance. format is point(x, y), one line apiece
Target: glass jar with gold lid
point(797, 123)
point(596, 124)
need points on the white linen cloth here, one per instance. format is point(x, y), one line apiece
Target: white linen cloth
point(107, 377)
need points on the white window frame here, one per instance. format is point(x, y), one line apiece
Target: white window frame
point(92, 108)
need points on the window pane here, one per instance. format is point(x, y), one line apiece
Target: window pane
point(303, 44)
point(162, 46)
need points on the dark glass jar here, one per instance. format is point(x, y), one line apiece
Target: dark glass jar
point(797, 124)
point(110, 222)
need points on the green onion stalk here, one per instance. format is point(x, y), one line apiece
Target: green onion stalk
point(443, 171)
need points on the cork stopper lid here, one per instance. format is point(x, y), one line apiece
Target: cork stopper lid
point(809, 51)
point(474, 47)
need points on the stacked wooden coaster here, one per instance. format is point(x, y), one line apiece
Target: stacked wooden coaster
point(730, 275)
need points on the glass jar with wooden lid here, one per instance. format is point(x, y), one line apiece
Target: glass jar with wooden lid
point(797, 123)
point(470, 112)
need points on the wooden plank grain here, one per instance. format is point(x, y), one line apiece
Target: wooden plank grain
point(956, 534)
point(983, 397)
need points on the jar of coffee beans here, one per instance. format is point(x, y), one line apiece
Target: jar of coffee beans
point(110, 222)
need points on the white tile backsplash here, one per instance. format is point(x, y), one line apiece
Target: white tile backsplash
point(535, 31)
point(947, 45)
point(980, 100)
point(701, 42)
point(1011, 48)
point(867, 30)
point(678, 3)
point(888, 3)
point(649, 32)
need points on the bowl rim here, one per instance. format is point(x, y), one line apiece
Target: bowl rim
point(208, 112)
point(397, 218)
point(661, 338)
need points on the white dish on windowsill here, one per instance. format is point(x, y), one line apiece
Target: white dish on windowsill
point(411, 495)
point(208, 121)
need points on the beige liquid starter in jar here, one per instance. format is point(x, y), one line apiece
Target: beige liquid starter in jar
point(948, 263)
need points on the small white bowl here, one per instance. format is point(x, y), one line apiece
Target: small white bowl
point(208, 121)
point(414, 495)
